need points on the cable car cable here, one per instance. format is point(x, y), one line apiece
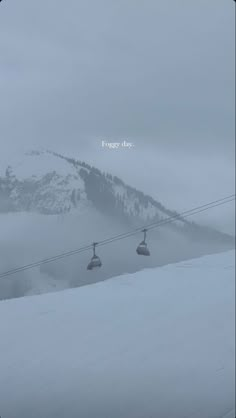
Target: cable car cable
point(170, 219)
point(180, 216)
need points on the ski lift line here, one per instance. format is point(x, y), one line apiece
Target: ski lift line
point(165, 221)
point(45, 261)
point(180, 216)
point(107, 241)
point(116, 238)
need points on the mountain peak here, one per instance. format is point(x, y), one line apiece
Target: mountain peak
point(47, 182)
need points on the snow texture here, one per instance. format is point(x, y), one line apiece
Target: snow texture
point(155, 344)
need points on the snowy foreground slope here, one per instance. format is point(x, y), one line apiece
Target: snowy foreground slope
point(155, 344)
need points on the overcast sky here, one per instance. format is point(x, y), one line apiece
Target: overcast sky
point(157, 73)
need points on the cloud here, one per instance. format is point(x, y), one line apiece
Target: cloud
point(88, 68)
point(160, 74)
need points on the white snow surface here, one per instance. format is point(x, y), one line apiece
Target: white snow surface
point(37, 164)
point(155, 344)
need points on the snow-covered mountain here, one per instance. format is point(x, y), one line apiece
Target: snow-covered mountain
point(158, 343)
point(49, 183)
point(50, 204)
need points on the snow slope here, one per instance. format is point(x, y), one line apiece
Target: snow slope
point(155, 344)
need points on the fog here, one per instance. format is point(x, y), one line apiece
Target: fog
point(75, 76)
point(158, 74)
point(27, 238)
point(159, 71)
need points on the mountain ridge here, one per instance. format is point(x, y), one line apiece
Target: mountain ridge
point(50, 183)
point(50, 203)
